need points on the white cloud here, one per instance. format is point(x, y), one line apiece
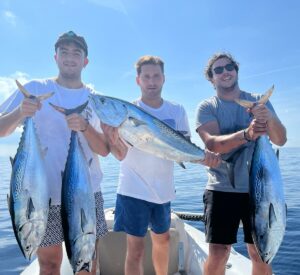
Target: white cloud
point(10, 17)
point(8, 85)
point(116, 5)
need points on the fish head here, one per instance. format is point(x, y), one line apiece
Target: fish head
point(84, 252)
point(268, 243)
point(110, 111)
point(28, 240)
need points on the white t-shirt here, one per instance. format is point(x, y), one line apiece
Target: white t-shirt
point(54, 133)
point(144, 176)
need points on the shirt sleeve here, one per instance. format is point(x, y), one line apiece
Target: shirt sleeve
point(183, 123)
point(204, 114)
point(11, 102)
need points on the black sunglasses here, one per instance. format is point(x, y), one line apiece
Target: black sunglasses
point(229, 67)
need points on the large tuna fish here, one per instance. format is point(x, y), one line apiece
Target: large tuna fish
point(78, 205)
point(29, 200)
point(268, 208)
point(144, 131)
point(267, 200)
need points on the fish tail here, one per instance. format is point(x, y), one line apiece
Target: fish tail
point(66, 112)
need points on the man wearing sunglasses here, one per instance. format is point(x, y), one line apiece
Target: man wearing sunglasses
point(229, 129)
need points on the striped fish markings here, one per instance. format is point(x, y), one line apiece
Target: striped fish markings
point(29, 200)
point(145, 132)
point(268, 207)
point(78, 204)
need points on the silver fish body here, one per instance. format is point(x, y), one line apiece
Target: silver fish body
point(29, 198)
point(145, 132)
point(268, 207)
point(78, 209)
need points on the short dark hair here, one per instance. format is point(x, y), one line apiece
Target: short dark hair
point(148, 59)
point(72, 37)
point(208, 69)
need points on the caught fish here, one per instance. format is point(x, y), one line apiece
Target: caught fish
point(268, 207)
point(78, 204)
point(29, 199)
point(145, 132)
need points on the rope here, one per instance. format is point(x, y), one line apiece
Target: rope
point(190, 216)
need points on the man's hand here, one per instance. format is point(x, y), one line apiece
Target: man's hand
point(77, 123)
point(111, 134)
point(211, 159)
point(261, 113)
point(29, 107)
point(256, 129)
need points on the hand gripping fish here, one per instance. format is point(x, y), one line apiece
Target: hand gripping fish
point(268, 207)
point(78, 204)
point(144, 131)
point(29, 200)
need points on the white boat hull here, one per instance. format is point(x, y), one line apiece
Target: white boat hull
point(188, 252)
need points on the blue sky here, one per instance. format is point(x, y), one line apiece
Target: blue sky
point(262, 35)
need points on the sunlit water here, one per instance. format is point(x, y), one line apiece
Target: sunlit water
point(190, 184)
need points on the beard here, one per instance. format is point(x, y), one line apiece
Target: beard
point(228, 89)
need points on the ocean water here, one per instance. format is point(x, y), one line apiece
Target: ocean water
point(190, 184)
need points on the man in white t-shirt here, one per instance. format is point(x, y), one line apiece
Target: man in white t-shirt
point(54, 132)
point(146, 185)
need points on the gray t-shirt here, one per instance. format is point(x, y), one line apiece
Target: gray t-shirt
point(233, 174)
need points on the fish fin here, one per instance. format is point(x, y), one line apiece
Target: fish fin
point(83, 219)
point(11, 161)
point(28, 95)
point(181, 164)
point(44, 152)
point(44, 96)
point(245, 103)
point(66, 112)
point(23, 90)
point(90, 162)
point(230, 172)
point(272, 215)
point(8, 203)
point(127, 143)
point(30, 208)
point(277, 153)
point(266, 96)
point(136, 122)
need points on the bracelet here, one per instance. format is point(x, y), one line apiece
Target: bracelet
point(245, 136)
point(87, 125)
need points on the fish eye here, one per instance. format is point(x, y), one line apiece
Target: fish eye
point(102, 100)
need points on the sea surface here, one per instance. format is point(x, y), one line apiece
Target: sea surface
point(190, 184)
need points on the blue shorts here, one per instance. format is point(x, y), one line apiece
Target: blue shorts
point(133, 216)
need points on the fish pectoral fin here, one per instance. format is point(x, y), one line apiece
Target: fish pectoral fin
point(8, 203)
point(11, 161)
point(136, 122)
point(272, 215)
point(30, 208)
point(266, 96)
point(245, 103)
point(83, 219)
point(44, 152)
point(181, 164)
point(230, 172)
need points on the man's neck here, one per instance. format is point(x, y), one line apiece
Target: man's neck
point(69, 83)
point(229, 94)
point(153, 102)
